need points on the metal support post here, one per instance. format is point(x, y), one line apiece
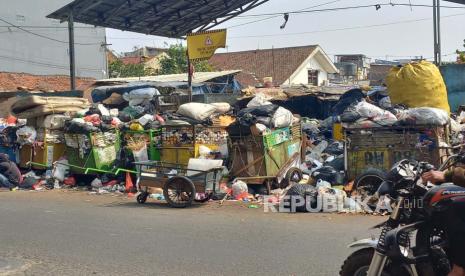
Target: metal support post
point(72, 64)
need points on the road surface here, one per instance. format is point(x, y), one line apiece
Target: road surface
point(74, 233)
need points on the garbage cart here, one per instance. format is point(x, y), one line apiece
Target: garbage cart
point(271, 159)
point(93, 152)
point(180, 184)
point(371, 152)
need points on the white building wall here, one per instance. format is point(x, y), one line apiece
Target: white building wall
point(301, 76)
point(23, 52)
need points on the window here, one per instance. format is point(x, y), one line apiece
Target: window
point(313, 77)
point(20, 18)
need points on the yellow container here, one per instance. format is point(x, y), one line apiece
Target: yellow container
point(45, 154)
point(338, 133)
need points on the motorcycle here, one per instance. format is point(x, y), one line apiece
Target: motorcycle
point(412, 240)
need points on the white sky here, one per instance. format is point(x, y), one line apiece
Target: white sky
point(395, 41)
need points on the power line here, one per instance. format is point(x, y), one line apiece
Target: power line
point(376, 6)
point(346, 28)
point(43, 36)
point(280, 14)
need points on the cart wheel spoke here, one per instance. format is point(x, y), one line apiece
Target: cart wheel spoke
point(179, 192)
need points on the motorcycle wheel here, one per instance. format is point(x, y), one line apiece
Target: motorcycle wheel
point(357, 264)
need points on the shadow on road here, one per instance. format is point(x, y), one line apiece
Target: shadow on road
point(147, 205)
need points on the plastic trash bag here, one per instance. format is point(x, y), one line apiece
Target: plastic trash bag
point(265, 110)
point(138, 96)
point(222, 107)
point(370, 111)
point(26, 135)
point(322, 184)
point(418, 84)
point(60, 170)
point(424, 116)
point(347, 99)
point(239, 187)
point(316, 152)
point(196, 111)
point(259, 100)
point(300, 192)
point(282, 118)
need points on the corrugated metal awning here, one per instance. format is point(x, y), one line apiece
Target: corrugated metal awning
point(169, 18)
point(199, 77)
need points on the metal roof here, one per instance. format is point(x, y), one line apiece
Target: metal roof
point(169, 18)
point(199, 77)
point(457, 1)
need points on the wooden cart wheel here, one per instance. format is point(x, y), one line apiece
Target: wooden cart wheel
point(142, 197)
point(293, 175)
point(179, 192)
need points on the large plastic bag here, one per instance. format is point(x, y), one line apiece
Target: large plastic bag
point(424, 116)
point(26, 135)
point(371, 112)
point(138, 96)
point(238, 188)
point(368, 110)
point(299, 193)
point(265, 110)
point(196, 111)
point(418, 84)
point(54, 121)
point(282, 118)
point(259, 100)
point(222, 107)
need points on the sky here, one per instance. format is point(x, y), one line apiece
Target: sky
point(392, 32)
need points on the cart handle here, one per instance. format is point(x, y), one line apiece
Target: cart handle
point(124, 170)
point(29, 163)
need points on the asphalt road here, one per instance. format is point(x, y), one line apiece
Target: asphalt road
point(74, 233)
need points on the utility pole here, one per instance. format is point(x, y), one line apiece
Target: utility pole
point(72, 64)
point(437, 31)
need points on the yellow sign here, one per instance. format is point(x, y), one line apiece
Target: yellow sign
point(202, 45)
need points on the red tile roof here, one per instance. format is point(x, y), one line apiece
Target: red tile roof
point(11, 82)
point(131, 60)
point(257, 64)
point(134, 60)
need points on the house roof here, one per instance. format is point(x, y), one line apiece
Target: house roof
point(11, 82)
point(199, 77)
point(279, 63)
point(132, 60)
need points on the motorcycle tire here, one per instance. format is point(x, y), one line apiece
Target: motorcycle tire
point(367, 183)
point(357, 264)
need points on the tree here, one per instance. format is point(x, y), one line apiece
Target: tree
point(176, 62)
point(118, 69)
point(461, 54)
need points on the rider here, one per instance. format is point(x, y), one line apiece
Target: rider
point(456, 228)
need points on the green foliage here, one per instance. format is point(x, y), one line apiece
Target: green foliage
point(121, 70)
point(176, 62)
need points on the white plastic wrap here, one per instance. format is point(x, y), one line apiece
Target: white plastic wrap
point(26, 135)
point(259, 100)
point(282, 118)
point(424, 116)
point(138, 96)
point(239, 187)
point(222, 107)
point(53, 122)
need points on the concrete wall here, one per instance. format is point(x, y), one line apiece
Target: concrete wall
point(454, 77)
point(23, 52)
point(301, 77)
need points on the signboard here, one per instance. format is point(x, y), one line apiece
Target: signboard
point(202, 45)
